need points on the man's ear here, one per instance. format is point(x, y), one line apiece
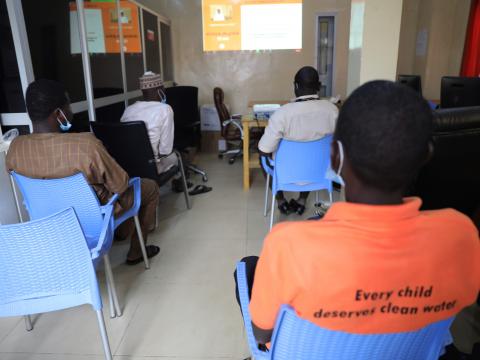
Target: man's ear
point(55, 115)
point(334, 156)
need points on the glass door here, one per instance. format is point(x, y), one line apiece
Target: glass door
point(325, 53)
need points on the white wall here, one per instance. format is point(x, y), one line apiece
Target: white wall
point(444, 22)
point(246, 76)
point(381, 39)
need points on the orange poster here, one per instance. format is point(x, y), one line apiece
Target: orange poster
point(102, 27)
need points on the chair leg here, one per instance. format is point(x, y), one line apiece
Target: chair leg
point(111, 282)
point(111, 306)
point(103, 334)
point(198, 171)
point(156, 218)
point(142, 242)
point(272, 212)
point(265, 209)
point(317, 197)
point(28, 323)
point(331, 197)
point(184, 180)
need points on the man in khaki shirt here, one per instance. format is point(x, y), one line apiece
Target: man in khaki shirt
point(48, 154)
point(307, 118)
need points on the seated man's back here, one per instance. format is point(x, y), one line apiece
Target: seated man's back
point(48, 154)
point(306, 119)
point(54, 155)
point(375, 263)
point(369, 269)
point(158, 119)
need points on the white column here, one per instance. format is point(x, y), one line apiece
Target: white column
point(374, 40)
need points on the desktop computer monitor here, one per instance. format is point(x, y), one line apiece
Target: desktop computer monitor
point(460, 92)
point(412, 81)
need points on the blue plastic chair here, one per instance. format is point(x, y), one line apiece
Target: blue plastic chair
point(43, 197)
point(298, 166)
point(135, 183)
point(299, 339)
point(46, 266)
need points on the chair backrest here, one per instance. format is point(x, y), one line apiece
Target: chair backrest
point(128, 143)
point(300, 339)
point(296, 338)
point(450, 179)
point(301, 166)
point(46, 266)
point(44, 197)
point(219, 99)
point(184, 103)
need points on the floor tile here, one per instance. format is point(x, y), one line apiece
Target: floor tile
point(70, 331)
point(197, 260)
point(7, 325)
point(185, 320)
point(29, 356)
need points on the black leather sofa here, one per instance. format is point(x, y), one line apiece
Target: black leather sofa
point(452, 177)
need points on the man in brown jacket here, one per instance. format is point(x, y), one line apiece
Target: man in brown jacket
point(48, 153)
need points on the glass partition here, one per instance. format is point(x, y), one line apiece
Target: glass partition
point(50, 30)
point(11, 93)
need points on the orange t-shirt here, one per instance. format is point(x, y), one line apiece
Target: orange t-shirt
point(369, 269)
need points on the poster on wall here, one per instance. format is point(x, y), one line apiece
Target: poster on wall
point(101, 20)
point(422, 43)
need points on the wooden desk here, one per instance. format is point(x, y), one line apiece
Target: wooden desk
point(249, 162)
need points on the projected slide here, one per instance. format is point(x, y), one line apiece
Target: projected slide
point(102, 28)
point(230, 25)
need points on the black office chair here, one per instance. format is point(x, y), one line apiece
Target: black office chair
point(184, 103)
point(130, 146)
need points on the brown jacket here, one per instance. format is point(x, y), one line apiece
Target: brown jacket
point(53, 155)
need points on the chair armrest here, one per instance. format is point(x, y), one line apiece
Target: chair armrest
point(191, 125)
point(235, 123)
point(247, 320)
point(112, 201)
point(236, 116)
point(160, 157)
point(137, 196)
point(267, 164)
point(106, 235)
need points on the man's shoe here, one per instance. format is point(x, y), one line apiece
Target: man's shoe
point(284, 207)
point(295, 206)
point(177, 185)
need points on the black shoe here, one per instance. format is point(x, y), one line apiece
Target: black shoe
point(296, 207)
point(177, 185)
point(151, 250)
point(284, 207)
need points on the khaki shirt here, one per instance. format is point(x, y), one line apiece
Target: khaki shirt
point(53, 155)
point(299, 121)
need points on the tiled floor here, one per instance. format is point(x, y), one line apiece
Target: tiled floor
point(184, 307)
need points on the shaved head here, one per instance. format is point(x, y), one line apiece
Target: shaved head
point(307, 81)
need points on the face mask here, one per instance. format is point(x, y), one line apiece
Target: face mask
point(335, 176)
point(163, 97)
point(64, 127)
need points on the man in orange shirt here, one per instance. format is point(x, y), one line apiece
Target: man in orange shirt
point(375, 263)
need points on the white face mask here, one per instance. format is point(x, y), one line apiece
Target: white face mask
point(163, 97)
point(336, 176)
point(64, 127)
